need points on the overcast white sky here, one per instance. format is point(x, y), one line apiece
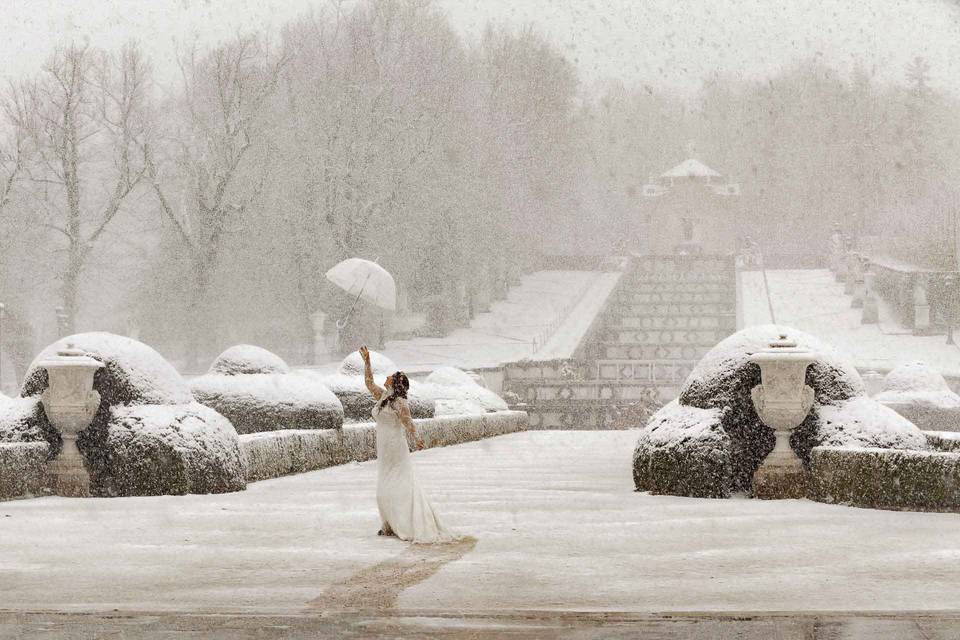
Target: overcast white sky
point(652, 41)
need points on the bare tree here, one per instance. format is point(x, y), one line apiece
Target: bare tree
point(83, 119)
point(207, 156)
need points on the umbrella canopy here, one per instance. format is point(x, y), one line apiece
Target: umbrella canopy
point(366, 280)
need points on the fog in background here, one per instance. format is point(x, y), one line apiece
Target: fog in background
point(185, 172)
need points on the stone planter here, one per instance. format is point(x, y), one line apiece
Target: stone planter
point(782, 401)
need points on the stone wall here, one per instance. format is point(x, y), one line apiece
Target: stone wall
point(886, 478)
point(22, 469)
point(279, 453)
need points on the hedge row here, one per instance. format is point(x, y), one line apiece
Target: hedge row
point(886, 478)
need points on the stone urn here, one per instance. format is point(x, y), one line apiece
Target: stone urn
point(782, 400)
point(70, 404)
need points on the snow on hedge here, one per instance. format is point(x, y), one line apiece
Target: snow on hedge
point(245, 359)
point(381, 365)
point(456, 392)
point(266, 402)
point(148, 436)
point(918, 383)
point(864, 422)
point(842, 414)
point(134, 373)
point(683, 450)
point(167, 450)
point(348, 385)
point(20, 420)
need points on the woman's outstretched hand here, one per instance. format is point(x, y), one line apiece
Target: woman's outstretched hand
point(365, 354)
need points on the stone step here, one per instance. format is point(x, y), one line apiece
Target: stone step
point(680, 287)
point(593, 390)
point(656, 372)
point(700, 337)
point(680, 278)
point(615, 351)
point(724, 322)
point(708, 297)
point(672, 309)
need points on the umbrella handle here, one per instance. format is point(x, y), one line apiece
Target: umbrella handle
point(343, 321)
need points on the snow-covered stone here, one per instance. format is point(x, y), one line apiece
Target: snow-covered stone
point(266, 402)
point(842, 414)
point(245, 359)
point(148, 437)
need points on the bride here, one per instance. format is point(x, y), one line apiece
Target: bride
point(404, 508)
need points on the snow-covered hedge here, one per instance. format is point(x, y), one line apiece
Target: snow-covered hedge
point(842, 414)
point(886, 479)
point(348, 386)
point(456, 392)
point(921, 394)
point(258, 393)
point(173, 449)
point(149, 436)
point(684, 451)
point(948, 441)
point(245, 359)
point(277, 453)
point(22, 469)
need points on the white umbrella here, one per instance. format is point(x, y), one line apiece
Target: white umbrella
point(367, 281)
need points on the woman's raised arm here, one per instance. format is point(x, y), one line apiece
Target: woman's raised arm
point(376, 390)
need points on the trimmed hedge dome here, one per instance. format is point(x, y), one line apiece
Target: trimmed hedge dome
point(252, 387)
point(148, 437)
point(246, 359)
point(721, 382)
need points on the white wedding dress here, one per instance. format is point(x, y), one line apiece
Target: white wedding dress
point(404, 507)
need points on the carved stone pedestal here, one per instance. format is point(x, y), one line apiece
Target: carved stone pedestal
point(67, 475)
point(771, 482)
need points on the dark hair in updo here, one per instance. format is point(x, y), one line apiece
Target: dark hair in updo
point(401, 384)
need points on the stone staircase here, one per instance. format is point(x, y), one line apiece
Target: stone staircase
point(665, 314)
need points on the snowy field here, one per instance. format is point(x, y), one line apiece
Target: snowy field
point(544, 317)
point(812, 301)
point(557, 527)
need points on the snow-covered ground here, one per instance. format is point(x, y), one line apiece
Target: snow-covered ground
point(545, 316)
point(557, 526)
point(810, 300)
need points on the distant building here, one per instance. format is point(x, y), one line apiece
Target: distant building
point(689, 209)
